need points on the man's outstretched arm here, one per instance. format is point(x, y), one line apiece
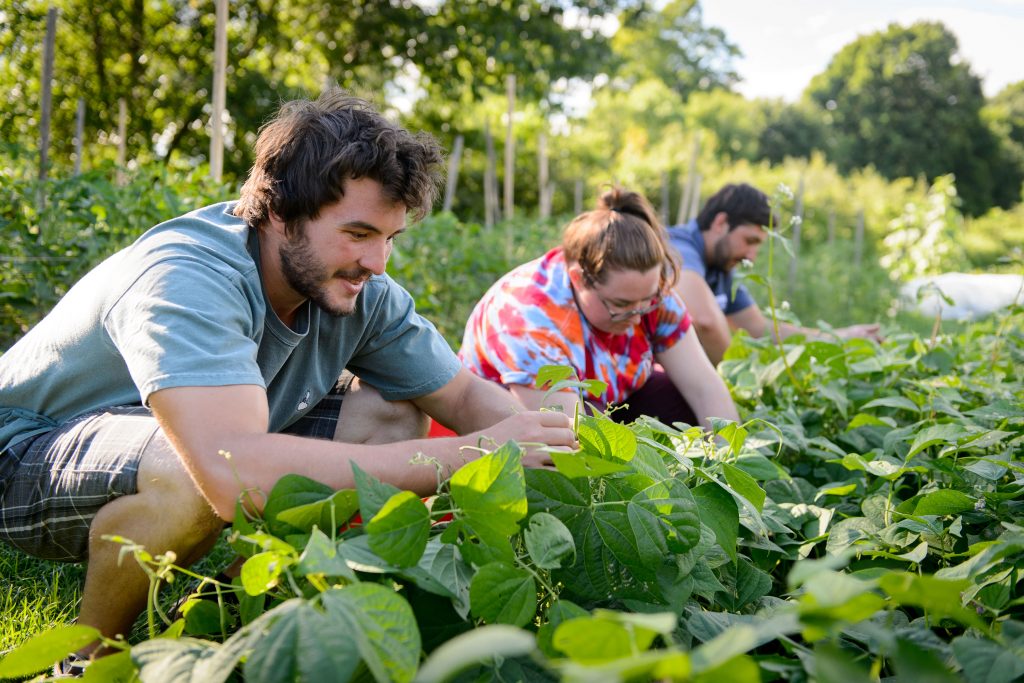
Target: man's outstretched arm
point(468, 403)
point(757, 324)
point(203, 421)
point(707, 317)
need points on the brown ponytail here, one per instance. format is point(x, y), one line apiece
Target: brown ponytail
point(622, 233)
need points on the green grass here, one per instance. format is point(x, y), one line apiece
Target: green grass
point(37, 595)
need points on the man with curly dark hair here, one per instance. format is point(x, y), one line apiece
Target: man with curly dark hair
point(265, 328)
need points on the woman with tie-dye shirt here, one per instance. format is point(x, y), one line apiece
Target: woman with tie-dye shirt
point(603, 304)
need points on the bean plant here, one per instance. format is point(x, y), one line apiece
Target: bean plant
point(863, 524)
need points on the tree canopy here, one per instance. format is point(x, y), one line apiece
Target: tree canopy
point(674, 46)
point(903, 101)
point(158, 57)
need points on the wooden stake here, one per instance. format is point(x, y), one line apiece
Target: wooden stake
point(858, 239)
point(122, 134)
point(798, 215)
point(665, 197)
point(831, 227)
point(577, 197)
point(453, 173)
point(544, 209)
point(47, 92)
point(220, 65)
point(510, 148)
point(79, 134)
point(694, 199)
point(490, 180)
point(691, 177)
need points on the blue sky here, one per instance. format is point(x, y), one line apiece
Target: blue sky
point(786, 42)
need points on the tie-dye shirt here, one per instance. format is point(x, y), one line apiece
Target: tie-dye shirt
point(529, 319)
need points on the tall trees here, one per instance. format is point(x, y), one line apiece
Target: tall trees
point(1004, 114)
point(673, 45)
point(158, 56)
point(903, 101)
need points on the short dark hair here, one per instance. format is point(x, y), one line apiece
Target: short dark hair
point(622, 233)
point(742, 203)
point(309, 149)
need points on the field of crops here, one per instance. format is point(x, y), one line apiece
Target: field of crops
point(863, 523)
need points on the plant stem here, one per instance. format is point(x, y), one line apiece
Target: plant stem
point(771, 308)
point(997, 347)
point(537, 577)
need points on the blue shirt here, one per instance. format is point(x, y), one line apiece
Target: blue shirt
point(688, 240)
point(185, 306)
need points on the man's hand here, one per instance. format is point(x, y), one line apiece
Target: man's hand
point(862, 331)
point(537, 427)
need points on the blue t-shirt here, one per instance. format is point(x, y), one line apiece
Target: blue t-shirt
point(689, 242)
point(185, 306)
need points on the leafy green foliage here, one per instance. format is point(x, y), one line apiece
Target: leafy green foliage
point(672, 45)
point(86, 218)
point(863, 523)
point(884, 482)
point(45, 649)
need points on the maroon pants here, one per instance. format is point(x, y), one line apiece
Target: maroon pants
point(658, 398)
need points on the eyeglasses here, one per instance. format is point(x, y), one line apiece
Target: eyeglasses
point(618, 316)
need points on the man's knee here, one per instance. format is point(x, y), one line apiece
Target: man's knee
point(367, 417)
point(165, 486)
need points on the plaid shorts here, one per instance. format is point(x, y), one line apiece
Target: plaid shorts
point(52, 486)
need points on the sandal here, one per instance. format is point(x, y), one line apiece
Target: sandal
point(72, 666)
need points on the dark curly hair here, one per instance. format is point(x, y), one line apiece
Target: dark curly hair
point(309, 149)
point(742, 203)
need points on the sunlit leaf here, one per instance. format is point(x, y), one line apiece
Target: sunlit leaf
point(576, 465)
point(936, 434)
point(558, 613)
point(331, 512)
point(549, 374)
point(606, 439)
point(46, 649)
point(941, 597)
point(943, 502)
point(590, 639)
point(399, 530)
point(491, 491)
point(320, 556)
point(745, 485)
point(261, 572)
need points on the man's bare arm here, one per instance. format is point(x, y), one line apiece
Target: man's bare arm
point(202, 421)
point(469, 403)
point(757, 324)
point(708, 320)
